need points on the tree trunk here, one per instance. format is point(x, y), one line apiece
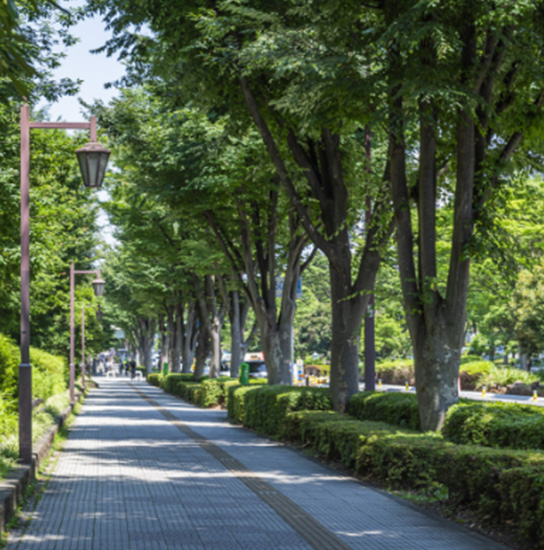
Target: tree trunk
point(165, 342)
point(171, 327)
point(190, 337)
point(146, 337)
point(437, 356)
point(346, 336)
point(202, 349)
point(235, 334)
point(370, 347)
point(276, 342)
point(215, 334)
point(176, 339)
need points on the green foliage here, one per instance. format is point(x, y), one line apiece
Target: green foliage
point(496, 425)
point(396, 372)
point(44, 418)
point(501, 485)
point(477, 367)
point(172, 378)
point(10, 358)
point(399, 409)
point(528, 304)
point(265, 409)
point(236, 402)
point(155, 379)
point(213, 391)
point(502, 377)
point(469, 359)
point(49, 374)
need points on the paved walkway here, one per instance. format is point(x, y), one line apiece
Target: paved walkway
point(143, 470)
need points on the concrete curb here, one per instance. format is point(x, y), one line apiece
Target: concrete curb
point(12, 488)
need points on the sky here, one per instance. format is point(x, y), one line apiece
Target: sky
point(95, 70)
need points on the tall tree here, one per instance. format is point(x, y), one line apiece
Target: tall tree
point(463, 73)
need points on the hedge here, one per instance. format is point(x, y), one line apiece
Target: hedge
point(496, 425)
point(396, 372)
point(155, 379)
point(171, 379)
point(400, 409)
point(502, 485)
point(266, 407)
point(48, 374)
point(263, 407)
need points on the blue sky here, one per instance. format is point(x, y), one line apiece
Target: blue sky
point(95, 70)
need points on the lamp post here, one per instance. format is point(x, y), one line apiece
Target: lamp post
point(98, 285)
point(95, 156)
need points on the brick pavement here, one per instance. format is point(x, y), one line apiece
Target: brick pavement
point(162, 474)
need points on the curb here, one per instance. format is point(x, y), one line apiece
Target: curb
point(12, 488)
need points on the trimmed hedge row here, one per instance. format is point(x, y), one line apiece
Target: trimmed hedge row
point(496, 425)
point(155, 379)
point(396, 408)
point(499, 484)
point(263, 408)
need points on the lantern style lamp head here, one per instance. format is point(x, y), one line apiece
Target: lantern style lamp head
point(98, 285)
point(93, 159)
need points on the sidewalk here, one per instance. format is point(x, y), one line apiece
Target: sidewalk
point(143, 470)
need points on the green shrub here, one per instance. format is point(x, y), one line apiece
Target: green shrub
point(400, 409)
point(10, 358)
point(213, 391)
point(265, 409)
point(522, 491)
point(470, 359)
point(501, 377)
point(499, 484)
point(477, 368)
point(45, 416)
point(396, 372)
point(227, 384)
point(172, 378)
point(155, 379)
point(236, 402)
point(496, 425)
point(48, 374)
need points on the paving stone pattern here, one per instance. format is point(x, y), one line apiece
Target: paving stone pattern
point(129, 479)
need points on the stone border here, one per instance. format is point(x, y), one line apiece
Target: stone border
point(13, 486)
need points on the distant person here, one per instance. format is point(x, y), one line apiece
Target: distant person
point(132, 368)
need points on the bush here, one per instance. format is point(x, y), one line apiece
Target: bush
point(498, 377)
point(396, 372)
point(496, 425)
point(471, 373)
point(400, 409)
point(213, 391)
point(10, 358)
point(265, 408)
point(172, 378)
point(48, 374)
point(505, 486)
point(236, 403)
point(155, 379)
point(470, 359)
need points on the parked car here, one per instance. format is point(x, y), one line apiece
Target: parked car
point(257, 369)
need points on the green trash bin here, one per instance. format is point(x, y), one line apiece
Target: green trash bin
point(165, 368)
point(244, 374)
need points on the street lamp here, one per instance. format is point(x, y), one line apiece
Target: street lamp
point(95, 165)
point(98, 285)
